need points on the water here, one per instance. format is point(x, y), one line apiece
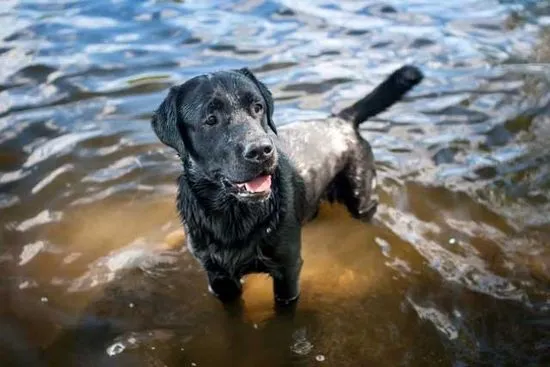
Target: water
point(455, 271)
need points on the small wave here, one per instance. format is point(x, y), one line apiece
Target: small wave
point(57, 146)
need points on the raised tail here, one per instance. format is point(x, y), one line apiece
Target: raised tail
point(384, 95)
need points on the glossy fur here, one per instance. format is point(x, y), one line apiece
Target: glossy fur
point(212, 121)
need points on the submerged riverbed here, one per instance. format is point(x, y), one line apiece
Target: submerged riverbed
point(455, 270)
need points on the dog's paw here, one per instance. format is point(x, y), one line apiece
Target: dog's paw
point(225, 289)
point(286, 301)
point(286, 306)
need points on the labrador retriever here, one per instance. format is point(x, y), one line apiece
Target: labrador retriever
point(248, 186)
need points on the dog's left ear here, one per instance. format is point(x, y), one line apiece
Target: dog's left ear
point(265, 93)
point(165, 122)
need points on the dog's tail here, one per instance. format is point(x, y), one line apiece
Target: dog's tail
point(384, 95)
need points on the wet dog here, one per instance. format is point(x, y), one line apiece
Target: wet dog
point(247, 187)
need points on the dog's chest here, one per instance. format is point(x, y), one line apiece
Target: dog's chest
point(235, 259)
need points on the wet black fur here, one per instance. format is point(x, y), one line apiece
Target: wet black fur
point(229, 236)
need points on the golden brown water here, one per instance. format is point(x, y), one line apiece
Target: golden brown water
point(455, 270)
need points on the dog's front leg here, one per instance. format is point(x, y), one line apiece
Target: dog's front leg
point(286, 282)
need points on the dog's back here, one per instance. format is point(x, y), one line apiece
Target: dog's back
point(323, 150)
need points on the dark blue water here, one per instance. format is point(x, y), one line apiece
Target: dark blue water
point(454, 272)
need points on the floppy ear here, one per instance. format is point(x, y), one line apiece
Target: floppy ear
point(165, 122)
point(265, 93)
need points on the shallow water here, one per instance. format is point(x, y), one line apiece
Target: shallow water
point(455, 270)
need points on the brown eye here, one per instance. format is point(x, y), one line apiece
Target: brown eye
point(257, 108)
point(211, 120)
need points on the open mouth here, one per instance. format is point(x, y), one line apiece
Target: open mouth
point(259, 187)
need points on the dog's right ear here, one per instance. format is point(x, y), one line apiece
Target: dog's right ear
point(165, 121)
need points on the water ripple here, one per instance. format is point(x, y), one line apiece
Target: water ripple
point(57, 146)
point(463, 161)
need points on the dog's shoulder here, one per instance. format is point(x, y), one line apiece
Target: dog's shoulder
point(293, 193)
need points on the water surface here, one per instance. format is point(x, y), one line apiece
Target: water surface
point(455, 270)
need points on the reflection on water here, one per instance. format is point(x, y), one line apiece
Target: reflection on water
point(454, 271)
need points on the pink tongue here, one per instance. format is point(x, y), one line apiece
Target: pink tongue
point(259, 184)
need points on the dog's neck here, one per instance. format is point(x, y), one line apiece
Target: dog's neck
point(212, 215)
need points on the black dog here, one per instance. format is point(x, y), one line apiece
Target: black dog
point(245, 192)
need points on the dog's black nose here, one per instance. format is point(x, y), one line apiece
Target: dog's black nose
point(259, 152)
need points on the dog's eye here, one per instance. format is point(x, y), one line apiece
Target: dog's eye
point(211, 120)
point(257, 108)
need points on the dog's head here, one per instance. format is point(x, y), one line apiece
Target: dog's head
point(222, 125)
